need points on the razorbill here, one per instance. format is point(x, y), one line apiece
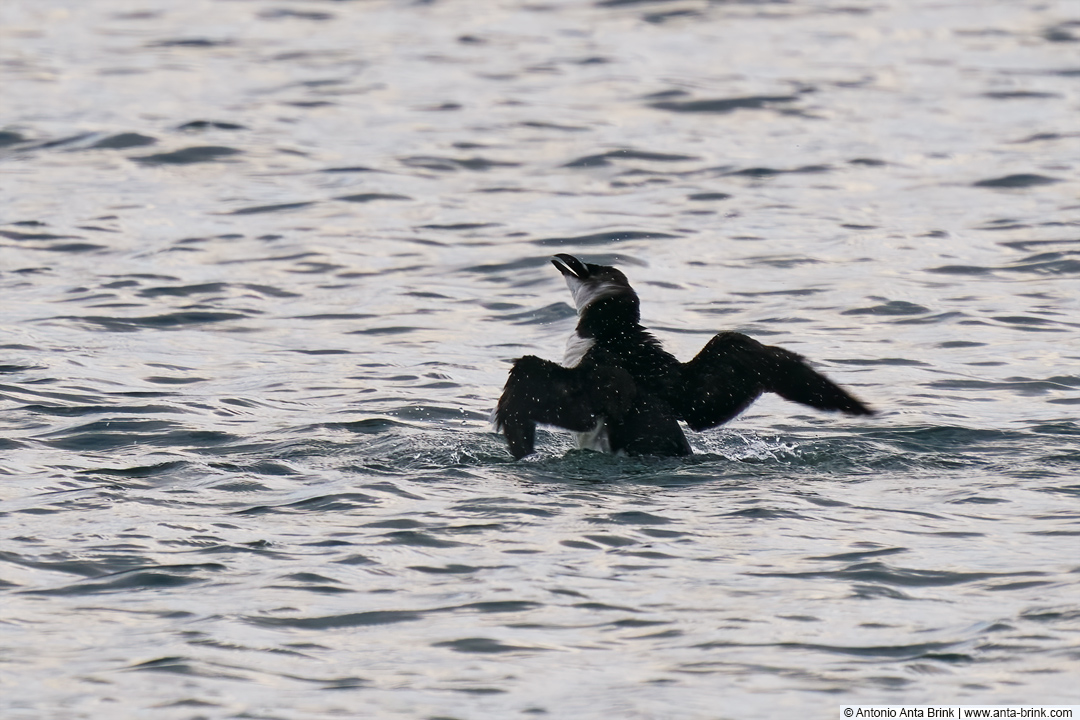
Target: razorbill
point(619, 391)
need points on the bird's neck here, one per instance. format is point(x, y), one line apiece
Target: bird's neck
point(610, 318)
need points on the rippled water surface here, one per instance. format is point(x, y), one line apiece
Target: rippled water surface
point(264, 265)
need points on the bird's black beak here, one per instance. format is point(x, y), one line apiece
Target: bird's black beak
point(570, 265)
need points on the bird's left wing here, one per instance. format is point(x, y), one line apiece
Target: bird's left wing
point(539, 391)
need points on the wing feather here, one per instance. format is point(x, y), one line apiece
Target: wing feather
point(732, 370)
point(540, 391)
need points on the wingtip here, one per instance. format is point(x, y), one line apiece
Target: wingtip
point(858, 408)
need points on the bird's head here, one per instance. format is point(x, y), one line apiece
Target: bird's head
point(589, 283)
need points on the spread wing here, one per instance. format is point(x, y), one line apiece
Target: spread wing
point(542, 392)
point(732, 370)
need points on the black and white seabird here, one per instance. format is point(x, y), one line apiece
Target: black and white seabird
point(619, 391)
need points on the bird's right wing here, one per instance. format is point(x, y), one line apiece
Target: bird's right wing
point(732, 370)
point(539, 391)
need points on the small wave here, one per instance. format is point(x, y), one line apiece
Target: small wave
point(368, 426)
point(196, 42)
point(483, 645)
point(8, 137)
point(542, 316)
point(122, 141)
point(188, 156)
point(155, 577)
point(371, 197)
point(336, 503)
point(17, 235)
point(446, 164)
point(764, 172)
point(603, 238)
point(110, 434)
point(81, 410)
point(1019, 180)
point(891, 307)
point(279, 207)
point(725, 105)
point(158, 322)
point(1018, 95)
point(203, 125)
point(919, 651)
point(882, 573)
point(1021, 386)
point(604, 159)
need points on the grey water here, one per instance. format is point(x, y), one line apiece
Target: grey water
point(264, 265)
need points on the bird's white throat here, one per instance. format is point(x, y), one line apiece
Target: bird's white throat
point(587, 292)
